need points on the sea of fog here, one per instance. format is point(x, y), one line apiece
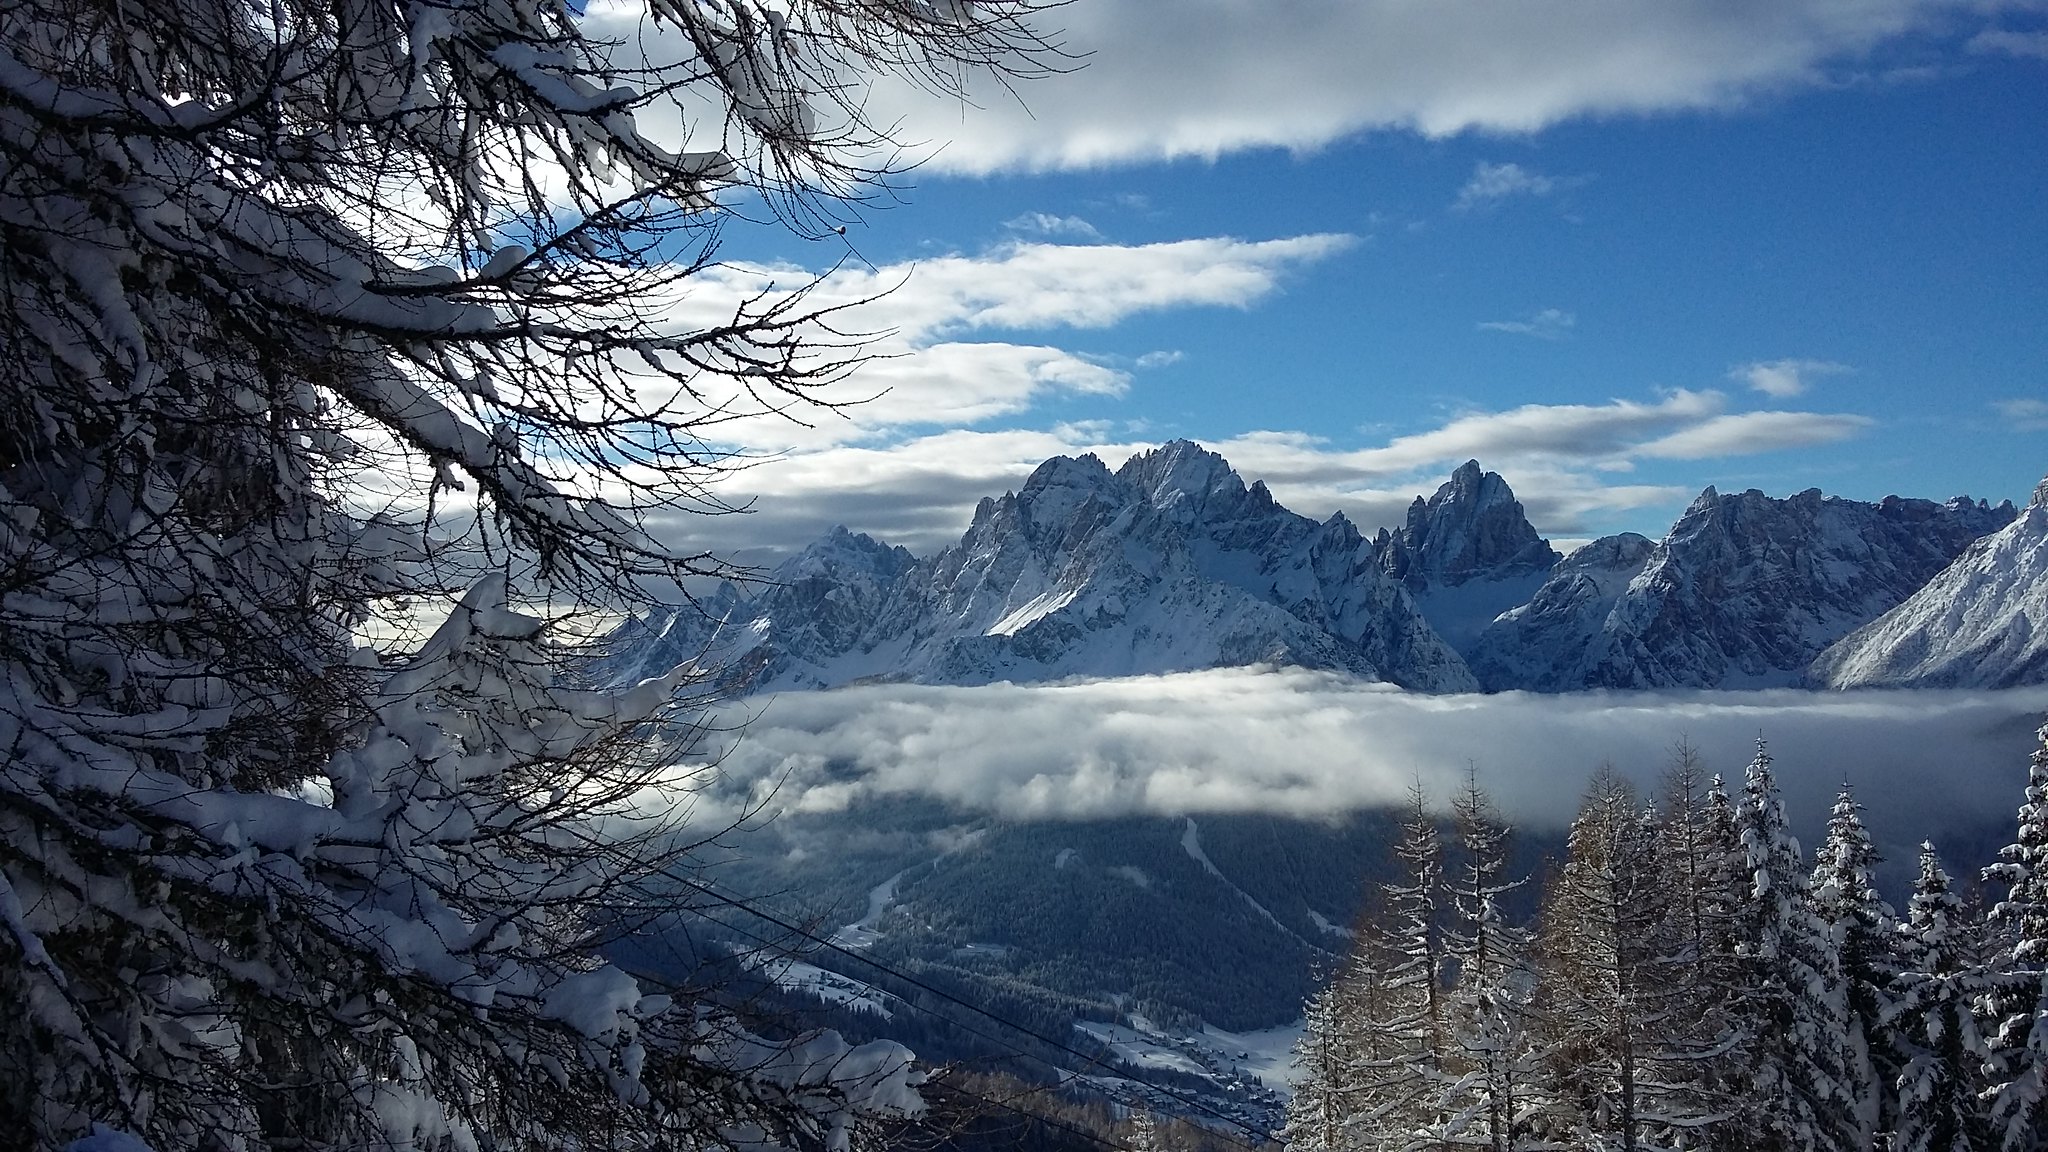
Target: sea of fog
point(1928, 764)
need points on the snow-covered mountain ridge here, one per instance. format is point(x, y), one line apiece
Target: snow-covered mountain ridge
point(1743, 592)
point(1170, 563)
point(1981, 623)
point(1173, 563)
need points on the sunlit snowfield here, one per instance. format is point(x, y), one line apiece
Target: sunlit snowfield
point(1306, 744)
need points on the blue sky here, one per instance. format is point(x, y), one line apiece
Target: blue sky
point(1615, 251)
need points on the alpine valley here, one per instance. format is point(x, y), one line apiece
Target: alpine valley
point(1178, 949)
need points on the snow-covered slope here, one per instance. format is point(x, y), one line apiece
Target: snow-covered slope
point(1542, 642)
point(1466, 554)
point(1169, 564)
point(1981, 623)
point(812, 610)
point(1744, 592)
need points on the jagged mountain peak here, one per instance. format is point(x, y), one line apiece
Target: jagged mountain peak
point(1472, 527)
point(2040, 499)
point(1623, 548)
point(840, 548)
point(1471, 486)
point(1466, 554)
point(1085, 472)
point(1179, 468)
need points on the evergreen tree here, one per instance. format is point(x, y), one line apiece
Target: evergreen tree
point(2017, 992)
point(1937, 1105)
point(1861, 930)
point(1795, 1055)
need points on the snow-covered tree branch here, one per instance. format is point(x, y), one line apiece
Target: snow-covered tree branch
point(317, 313)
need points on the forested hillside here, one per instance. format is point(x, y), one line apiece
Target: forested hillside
point(1691, 980)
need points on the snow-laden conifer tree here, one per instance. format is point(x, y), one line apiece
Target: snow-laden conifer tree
point(1377, 1046)
point(312, 313)
point(1410, 961)
point(1861, 930)
point(1936, 1092)
point(2017, 994)
point(1796, 1052)
point(1371, 1077)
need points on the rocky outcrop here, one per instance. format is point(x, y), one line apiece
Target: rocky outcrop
point(1466, 554)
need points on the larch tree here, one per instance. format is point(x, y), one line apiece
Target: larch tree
point(310, 314)
point(1612, 1001)
point(1323, 1098)
point(1488, 1006)
point(1393, 1005)
point(1705, 861)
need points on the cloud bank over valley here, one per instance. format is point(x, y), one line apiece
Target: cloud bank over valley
point(1946, 765)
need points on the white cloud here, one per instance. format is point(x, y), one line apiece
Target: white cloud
point(916, 322)
point(1784, 378)
point(1040, 285)
point(1575, 433)
point(2005, 42)
point(1492, 183)
point(2025, 414)
point(1743, 433)
point(1217, 76)
point(1047, 224)
point(1549, 324)
point(1310, 745)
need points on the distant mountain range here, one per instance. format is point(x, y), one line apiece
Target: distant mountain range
point(1981, 623)
point(1173, 563)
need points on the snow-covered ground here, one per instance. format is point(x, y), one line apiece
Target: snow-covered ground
point(831, 987)
point(1267, 1054)
point(865, 931)
point(1142, 1050)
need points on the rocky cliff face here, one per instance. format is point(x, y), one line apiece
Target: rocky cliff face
point(1743, 592)
point(1466, 554)
point(1982, 622)
point(1545, 643)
